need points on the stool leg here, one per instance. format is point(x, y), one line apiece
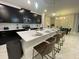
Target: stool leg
point(54, 54)
point(42, 57)
point(46, 57)
point(33, 54)
point(59, 47)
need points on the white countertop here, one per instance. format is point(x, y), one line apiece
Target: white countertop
point(27, 35)
point(32, 34)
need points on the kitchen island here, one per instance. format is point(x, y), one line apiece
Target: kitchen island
point(32, 38)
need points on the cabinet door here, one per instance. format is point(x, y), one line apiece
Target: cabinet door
point(14, 49)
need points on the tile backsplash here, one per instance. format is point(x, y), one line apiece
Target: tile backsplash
point(14, 25)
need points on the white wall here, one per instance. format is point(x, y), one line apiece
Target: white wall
point(47, 21)
point(67, 22)
point(64, 7)
point(52, 20)
point(76, 22)
point(70, 21)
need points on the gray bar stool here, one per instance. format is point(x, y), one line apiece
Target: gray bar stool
point(58, 47)
point(52, 40)
point(62, 39)
point(43, 49)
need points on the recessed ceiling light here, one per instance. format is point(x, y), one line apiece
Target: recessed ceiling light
point(28, 1)
point(36, 5)
point(53, 14)
point(45, 10)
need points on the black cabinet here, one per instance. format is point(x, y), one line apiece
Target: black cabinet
point(14, 49)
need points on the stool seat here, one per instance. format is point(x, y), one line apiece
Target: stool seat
point(41, 47)
point(51, 40)
point(57, 37)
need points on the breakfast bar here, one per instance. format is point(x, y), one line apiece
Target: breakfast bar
point(32, 38)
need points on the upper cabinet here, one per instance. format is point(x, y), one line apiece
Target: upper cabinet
point(13, 15)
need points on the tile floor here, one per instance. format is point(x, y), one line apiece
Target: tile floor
point(70, 49)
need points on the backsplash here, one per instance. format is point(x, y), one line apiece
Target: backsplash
point(14, 25)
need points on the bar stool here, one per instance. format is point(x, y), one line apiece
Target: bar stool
point(43, 49)
point(57, 43)
point(62, 39)
point(52, 40)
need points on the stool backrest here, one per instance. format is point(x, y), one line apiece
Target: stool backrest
point(43, 48)
point(62, 34)
point(51, 40)
point(57, 37)
point(47, 49)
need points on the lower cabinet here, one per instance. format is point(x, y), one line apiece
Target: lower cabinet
point(14, 49)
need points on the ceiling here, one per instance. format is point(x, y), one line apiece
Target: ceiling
point(60, 6)
point(42, 5)
point(67, 6)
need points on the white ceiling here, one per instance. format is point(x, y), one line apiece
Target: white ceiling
point(61, 6)
point(67, 6)
point(42, 4)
